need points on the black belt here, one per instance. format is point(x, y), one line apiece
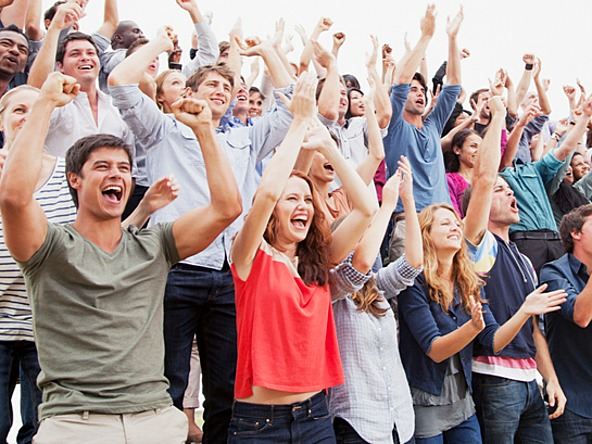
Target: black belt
point(535, 235)
point(183, 266)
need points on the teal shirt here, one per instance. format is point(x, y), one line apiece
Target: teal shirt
point(528, 182)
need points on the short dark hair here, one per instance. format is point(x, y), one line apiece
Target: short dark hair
point(79, 153)
point(61, 52)
point(475, 96)
point(51, 12)
point(254, 89)
point(200, 75)
point(573, 221)
point(352, 80)
point(17, 30)
point(422, 81)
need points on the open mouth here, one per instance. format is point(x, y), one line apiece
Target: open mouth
point(514, 205)
point(299, 222)
point(218, 101)
point(113, 193)
point(329, 167)
point(85, 67)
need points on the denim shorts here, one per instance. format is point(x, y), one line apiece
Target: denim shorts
point(307, 421)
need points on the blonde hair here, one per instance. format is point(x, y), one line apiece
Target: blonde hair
point(465, 279)
point(159, 81)
point(5, 100)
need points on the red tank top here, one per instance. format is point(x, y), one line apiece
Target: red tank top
point(286, 332)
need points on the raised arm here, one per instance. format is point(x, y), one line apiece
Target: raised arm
point(208, 46)
point(329, 97)
point(274, 178)
point(33, 21)
point(196, 229)
point(570, 142)
point(13, 12)
point(485, 175)
point(541, 91)
point(24, 222)
point(160, 194)
point(524, 83)
point(382, 101)
point(66, 15)
point(531, 111)
point(110, 19)
point(131, 70)
point(409, 64)
point(280, 78)
point(453, 76)
point(323, 25)
point(368, 167)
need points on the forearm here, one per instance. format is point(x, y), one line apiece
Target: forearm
point(512, 105)
point(523, 86)
point(408, 66)
point(543, 99)
point(413, 242)
point(582, 314)
point(450, 344)
point(511, 146)
point(33, 20)
point(15, 13)
point(285, 62)
point(368, 248)
point(45, 61)
point(543, 357)
point(571, 140)
point(446, 141)
point(382, 101)
point(110, 19)
point(139, 216)
point(280, 78)
point(453, 76)
point(368, 167)
point(508, 331)
point(328, 102)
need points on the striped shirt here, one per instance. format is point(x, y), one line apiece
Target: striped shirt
point(15, 311)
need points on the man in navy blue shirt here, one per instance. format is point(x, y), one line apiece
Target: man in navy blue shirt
point(569, 332)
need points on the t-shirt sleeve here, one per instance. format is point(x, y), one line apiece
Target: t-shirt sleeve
point(42, 255)
point(484, 254)
point(168, 242)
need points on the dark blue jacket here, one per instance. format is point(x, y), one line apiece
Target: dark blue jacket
point(423, 321)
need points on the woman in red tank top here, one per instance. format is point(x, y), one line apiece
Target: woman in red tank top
point(287, 347)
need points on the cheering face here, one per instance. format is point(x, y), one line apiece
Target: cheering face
point(255, 104)
point(294, 212)
point(81, 61)
point(416, 99)
point(467, 154)
point(356, 104)
point(173, 88)
point(321, 169)
point(504, 208)
point(215, 90)
point(579, 167)
point(446, 231)
point(14, 50)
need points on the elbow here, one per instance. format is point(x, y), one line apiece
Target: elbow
point(384, 120)
point(114, 79)
point(370, 209)
point(329, 113)
point(436, 357)
point(581, 320)
point(232, 210)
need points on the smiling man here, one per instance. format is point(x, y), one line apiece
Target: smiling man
point(14, 50)
point(96, 289)
point(75, 55)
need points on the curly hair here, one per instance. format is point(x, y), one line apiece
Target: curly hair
point(466, 280)
point(313, 251)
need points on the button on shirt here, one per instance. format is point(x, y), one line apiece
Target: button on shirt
point(375, 395)
point(569, 344)
point(75, 120)
point(171, 147)
point(528, 183)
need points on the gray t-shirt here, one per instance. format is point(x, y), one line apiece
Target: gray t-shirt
point(97, 319)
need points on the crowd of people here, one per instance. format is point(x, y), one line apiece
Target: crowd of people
point(323, 263)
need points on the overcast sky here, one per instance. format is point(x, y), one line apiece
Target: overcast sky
point(497, 33)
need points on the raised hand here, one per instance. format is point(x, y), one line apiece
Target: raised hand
point(67, 14)
point(496, 106)
point(318, 138)
point(427, 24)
point(192, 112)
point(161, 193)
point(390, 190)
point(59, 89)
point(278, 35)
point(536, 71)
point(497, 85)
point(371, 57)
point(406, 186)
point(252, 46)
point(453, 25)
point(303, 104)
point(302, 33)
point(464, 53)
point(324, 24)
point(187, 5)
point(529, 59)
point(538, 302)
point(476, 310)
point(338, 39)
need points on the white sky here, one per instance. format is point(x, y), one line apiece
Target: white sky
point(496, 32)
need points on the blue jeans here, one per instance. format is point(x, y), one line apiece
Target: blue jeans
point(509, 409)
point(200, 301)
point(571, 428)
point(467, 432)
point(303, 422)
point(15, 357)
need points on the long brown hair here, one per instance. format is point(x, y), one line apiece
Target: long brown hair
point(313, 251)
point(465, 279)
point(367, 299)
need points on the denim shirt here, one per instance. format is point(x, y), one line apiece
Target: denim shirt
point(171, 147)
point(569, 344)
point(422, 322)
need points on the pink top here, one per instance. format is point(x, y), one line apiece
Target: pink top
point(457, 185)
point(286, 332)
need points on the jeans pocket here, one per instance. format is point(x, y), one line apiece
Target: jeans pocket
point(248, 426)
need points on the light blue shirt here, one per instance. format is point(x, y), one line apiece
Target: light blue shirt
point(421, 146)
point(172, 148)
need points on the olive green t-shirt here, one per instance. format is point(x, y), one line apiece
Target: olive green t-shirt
point(98, 320)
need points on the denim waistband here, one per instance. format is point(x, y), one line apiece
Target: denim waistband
point(308, 407)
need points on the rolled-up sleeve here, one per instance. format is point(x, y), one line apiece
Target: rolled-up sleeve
point(345, 279)
point(396, 276)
